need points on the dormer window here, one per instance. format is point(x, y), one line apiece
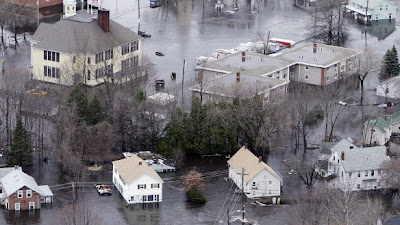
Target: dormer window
point(29, 193)
point(20, 193)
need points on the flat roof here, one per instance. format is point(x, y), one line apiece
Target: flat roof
point(254, 64)
point(325, 56)
point(228, 85)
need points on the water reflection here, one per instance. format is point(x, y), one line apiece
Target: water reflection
point(22, 217)
point(380, 29)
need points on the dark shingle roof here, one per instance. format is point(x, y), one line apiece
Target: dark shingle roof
point(70, 36)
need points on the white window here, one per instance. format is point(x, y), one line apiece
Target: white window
point(306, 77)
point(358, 186)
point(291, 74)
point(379, 172)
point(372, 173)
point(306, 67)
point(31, 205)
point(17, 206)
point(350, 174)
point(145, 198)
point(366, 173)
point(284, 76)
point(29, 193)
point(342, 68)
point(155, 185)
point(277, 77)
point(269, 192)
point(386, 7)
point(359, 174)
point(270, 183)
point(328, 78)
point(328, 68)
point(20, 193)
point(141, 186)
point(336, 74)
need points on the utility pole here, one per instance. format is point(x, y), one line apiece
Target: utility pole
point(266, 50)
point(2, 60)
point(183, 78)
point(228, 215)
point(243, 194)
point(138, 5)
point(38, 12)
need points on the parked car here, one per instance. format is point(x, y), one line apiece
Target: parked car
point(143, 34)
point(159, 54)
point(103, 189)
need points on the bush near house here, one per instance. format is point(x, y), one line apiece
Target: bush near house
point(196, 197)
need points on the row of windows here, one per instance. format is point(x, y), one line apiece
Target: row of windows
point(100, 57)
point(53, 72)
point(143, 186)
point(21, 193)
point(51, 56)
point(101, 72)
point(128, 63)
point(130, 47)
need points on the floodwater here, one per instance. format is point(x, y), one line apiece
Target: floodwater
point(184, 30)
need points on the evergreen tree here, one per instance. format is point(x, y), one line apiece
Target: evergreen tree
point(77, 99)
point(140, 95)
point(95, 113)
point(390, 65)
point(20, 147)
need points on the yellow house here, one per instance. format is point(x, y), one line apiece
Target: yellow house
point(85, 49)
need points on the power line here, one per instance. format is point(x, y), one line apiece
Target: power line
point(224, 204)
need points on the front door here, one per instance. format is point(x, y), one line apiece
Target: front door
point(31, 205)
point(17, 206)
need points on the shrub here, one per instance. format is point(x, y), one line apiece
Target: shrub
point(196, 197)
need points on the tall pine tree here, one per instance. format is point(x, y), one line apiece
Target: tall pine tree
point(390, 65)
point(95, 113)
point(77, 99)
point(20, 147)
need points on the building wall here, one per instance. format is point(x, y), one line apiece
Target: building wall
point(300, 73)
point(71, 64)
point(132, 194)
point(383, 10)
point(261, 187)
point(24, 201)
point(378, 137)
point(350, 180)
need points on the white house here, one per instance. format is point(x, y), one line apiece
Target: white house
point(260, 180)
point(136, 181)
point(356, 168)
point(377, 132)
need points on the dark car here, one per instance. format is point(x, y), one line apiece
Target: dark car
point(159, 54)
point(143, 34)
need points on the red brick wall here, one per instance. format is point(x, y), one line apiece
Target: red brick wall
point(32, 3)
point(24, 201)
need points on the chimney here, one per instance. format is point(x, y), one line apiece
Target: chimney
point(237, 76)
point(243, 56)
point(140, 163)
point(16, 167)
point(246, 146)
point(259, 159)
point(387, 152)
point(342, 156)
point(103, 19)
point(315, 48)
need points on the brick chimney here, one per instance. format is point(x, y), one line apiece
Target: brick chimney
point(243, 56)
point(387, 151)
point(103, 19)
point(140, 163)
point(237, 76)
point(259, 159)
point(342, 156)
point(315, 48)
point(246, 146)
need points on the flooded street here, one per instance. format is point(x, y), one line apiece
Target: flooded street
point(185, 30)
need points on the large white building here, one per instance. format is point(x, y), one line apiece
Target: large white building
point(260, 180)
point(356, 168)
point(85, 49)
point(136, 181)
